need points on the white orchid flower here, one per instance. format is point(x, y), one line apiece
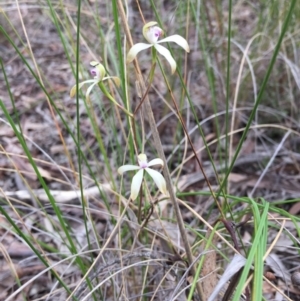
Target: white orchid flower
point(152, 33)
point(98, 71)
point(138, 177)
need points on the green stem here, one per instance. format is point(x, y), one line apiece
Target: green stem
point(106, 93)
point(151, 75)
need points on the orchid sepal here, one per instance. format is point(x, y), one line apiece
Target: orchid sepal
point(125, 168)
point(73, 89)
point(136, 184)
point(167, 54)
point(158, 179)
point(135, 49)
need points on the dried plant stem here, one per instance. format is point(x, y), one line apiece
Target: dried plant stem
point(158, 146)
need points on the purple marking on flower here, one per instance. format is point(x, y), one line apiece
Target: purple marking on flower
point(94, 72)
point(157, 31)
point(143, 164)
point(152, 34)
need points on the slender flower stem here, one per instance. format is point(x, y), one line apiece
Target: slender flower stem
point(140, 204)
point(159, 148)
point(190, 142)
point(148, 88)
point(151, 77)
point(107, 94)
point(154, 56)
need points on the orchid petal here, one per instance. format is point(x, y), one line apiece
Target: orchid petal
point(156, 161)
point(179, 40)
point(73, 90)
point(125, 168)
point(158, 179)
point(89, 89)
point(135, 49)
point(166, 53)
point(115, 79)
point(136, 184)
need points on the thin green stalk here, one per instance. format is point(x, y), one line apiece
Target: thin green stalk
point(75, 73)
point(107, 94)
point(195, 115)
point(201, 262)
point(63, 42)
point(160, 151)
point(227, 91)
point(16, 114)
point(261, 224)
point(208, 67)
point(257, 286)
point(79, 159)
point(260, 94)
point(190, 141)
point(22, 141)
point(123, 76)
point(71, 245)
point(32, 247)
point(55, 108)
